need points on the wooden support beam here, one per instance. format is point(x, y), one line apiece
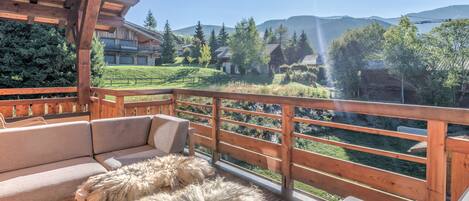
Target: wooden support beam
point(35, 10)
point(436, 160)
point(288, 128)
point(215, 129)
point(84, 75)
point(87, 23)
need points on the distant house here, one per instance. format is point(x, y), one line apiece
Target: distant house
point(180, 49)
point(274, 51)
point(131, 44)
point(312, 60)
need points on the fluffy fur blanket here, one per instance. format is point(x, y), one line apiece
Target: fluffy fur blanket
point(215, 190)
point(141, 179)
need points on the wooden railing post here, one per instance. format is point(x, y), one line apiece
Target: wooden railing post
point(101, 97)
point(436, 160)
point(288, 127)
point(172, 107)
point(120, 108)
point(459, 174)
point(216, 103)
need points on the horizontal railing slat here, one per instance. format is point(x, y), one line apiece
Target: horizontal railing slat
point(275, 130)
point(32, 91)
point(203, 116)
point(250, 143)
point(368, 130)
point(390, 154)
point(339, 186)
point(193, 104)
point(273, 116)
point(147, 103)
point(250, 157)
point(380, 179)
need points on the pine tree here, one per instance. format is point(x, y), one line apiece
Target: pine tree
point(197, 41)
point(168, 50)
point(303, 46)
point(223, 36)
point(150, 21)
point(272, 37)
point(199, 33)
point(266, 35)
point(291, 51)
point(213, 43)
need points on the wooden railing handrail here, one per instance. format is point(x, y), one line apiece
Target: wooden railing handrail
point(33, 91)
point(113, 92)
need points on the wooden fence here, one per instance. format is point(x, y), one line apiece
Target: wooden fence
point(334, 175)
point(44, 106)
point(158, 80)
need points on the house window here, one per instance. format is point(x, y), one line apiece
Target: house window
point(126, 60)
point(142, 60)
point(128, 44)
point(110, 59)
point(109, 42)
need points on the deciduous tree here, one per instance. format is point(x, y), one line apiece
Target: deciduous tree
point(205, 55)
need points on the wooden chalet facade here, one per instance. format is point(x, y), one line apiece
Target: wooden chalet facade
point(131, 44)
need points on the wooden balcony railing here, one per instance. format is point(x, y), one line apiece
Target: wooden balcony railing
point(48, 104)
point(337, 176)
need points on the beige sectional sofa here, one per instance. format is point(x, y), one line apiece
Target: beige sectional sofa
point(48, 162)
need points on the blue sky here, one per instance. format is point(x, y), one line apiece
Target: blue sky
point(183, 13)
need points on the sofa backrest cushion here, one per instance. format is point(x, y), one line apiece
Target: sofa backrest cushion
point(168, 133)
point(119, 133)
point(37, 145)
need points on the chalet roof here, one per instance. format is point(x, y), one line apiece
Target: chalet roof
point(144, 31)
point(312, 59)
point(223, 52)
point(269, 48)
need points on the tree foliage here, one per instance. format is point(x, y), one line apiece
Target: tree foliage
point(247, 47)
point(198, 41)
point(33, 55)
point(168, 52)
point(223, 36)
point(205, 55)
point(213, 43)
point(348, 56)
point(402, 50)
point(150, 21)
point(281, 33)
point(303, 47)
point(291, 51)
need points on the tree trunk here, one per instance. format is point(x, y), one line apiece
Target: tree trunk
point(402, 89)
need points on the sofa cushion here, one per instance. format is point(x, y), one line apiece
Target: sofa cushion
point(117, 159)
point(119, 133)
point(54, 181)
point(168, 133)
point(37, 145)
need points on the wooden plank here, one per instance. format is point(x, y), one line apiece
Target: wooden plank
point(201, 140)
point(120, 110)
point(52, 108)
point(88, 23)
point(255, 126)
point(339, 186)
point(7, 111)
point(457, 145)
point(193, 104)
point(273, 116)
point(250, 143)
point(84, 75)
point(436, 163)
point(202, 116)
point(38, 109)
point(29, 91)
point(406, 111)
point(368, 130)
point(172, 105)
point(459, 174)
point(142, 111)
point(398, 184)
point(67, 107)
point(148, 103)
point(215, 122)
point(203, 130)
point(35, 101)
point(288, 128)
point(251, 157)
point(132, 92)
point(29, 9)
point(130, 112)
point(155, 109)
point(22, 110)
point(390, 154)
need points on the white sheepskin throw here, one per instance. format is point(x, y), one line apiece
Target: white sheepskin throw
point(214, 190)
point(145, 178)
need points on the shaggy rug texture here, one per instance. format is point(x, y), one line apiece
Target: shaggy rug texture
point(212, 190)
point(134, 181)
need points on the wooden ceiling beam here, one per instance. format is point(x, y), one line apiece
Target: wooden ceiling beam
point(88, 23)
point(35, 10)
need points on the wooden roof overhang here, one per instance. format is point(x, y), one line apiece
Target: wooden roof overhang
point(80, 18)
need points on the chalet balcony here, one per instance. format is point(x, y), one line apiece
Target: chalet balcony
point(445, 162)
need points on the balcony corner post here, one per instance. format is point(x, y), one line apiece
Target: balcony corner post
point(120, 106)
point(172, 107)
point(436, 160)
point(288, 128)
